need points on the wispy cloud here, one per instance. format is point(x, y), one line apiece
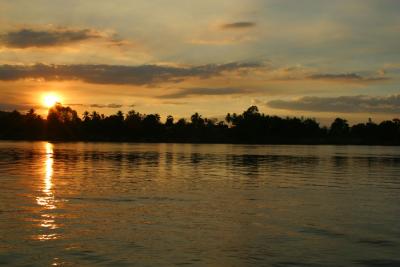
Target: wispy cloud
point(113, 74)
point(187, 92)
point(219, 41)
point(341, 104)
point(346, 77)
point(299, 73)
point(112, 105)
point(174, 103)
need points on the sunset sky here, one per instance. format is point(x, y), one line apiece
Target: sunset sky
point(311, 58)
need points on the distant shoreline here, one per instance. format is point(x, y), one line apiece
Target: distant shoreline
point(251, 127)
point(200, 143)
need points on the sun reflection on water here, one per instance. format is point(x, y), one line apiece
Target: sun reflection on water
point(47, 199)
point(49, 168)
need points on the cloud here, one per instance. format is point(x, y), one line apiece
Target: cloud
point(174, 103)
point(12, 107)
point(299, 73)
point(346, 77)
point(303, 73)
point(222, 41)
point(27, 38)
point(391, 68)
point(239, 25)
point(117, 74)
point(100, 105)
point(106, 106)
point(206, 91)
point(341, 104)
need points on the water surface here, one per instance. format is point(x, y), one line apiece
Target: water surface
point(106, 204)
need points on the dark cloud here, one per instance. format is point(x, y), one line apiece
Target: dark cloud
point(11, 107)
point(114, 74)
point(343, 104)
point(106, 106)
point(99, 105)
point(346, 77)
point(205, 91)
point(25, 38)
point(239, 25)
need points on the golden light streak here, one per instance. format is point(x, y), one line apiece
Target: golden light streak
point(47, 200)
point(49, 168)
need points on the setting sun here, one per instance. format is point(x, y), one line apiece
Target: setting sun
point(50, 100)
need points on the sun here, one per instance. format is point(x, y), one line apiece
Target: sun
point(50, 100)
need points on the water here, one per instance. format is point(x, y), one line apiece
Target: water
point(104, 204)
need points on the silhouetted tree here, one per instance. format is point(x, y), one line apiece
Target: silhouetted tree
point(152, 126)
point(251, 126)
point(86, 116)
point(339, 128)
point(169, 122)
point(62, 123)
point(33, 126)
point(133, 124)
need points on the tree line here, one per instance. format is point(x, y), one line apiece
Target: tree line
point(64, 124)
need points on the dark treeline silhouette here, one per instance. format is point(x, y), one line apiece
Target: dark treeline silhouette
point(64, 124)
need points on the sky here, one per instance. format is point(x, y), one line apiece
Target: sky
point(321, 59)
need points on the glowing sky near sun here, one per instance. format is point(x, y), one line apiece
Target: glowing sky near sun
point(311, 58)
point(50, 99)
